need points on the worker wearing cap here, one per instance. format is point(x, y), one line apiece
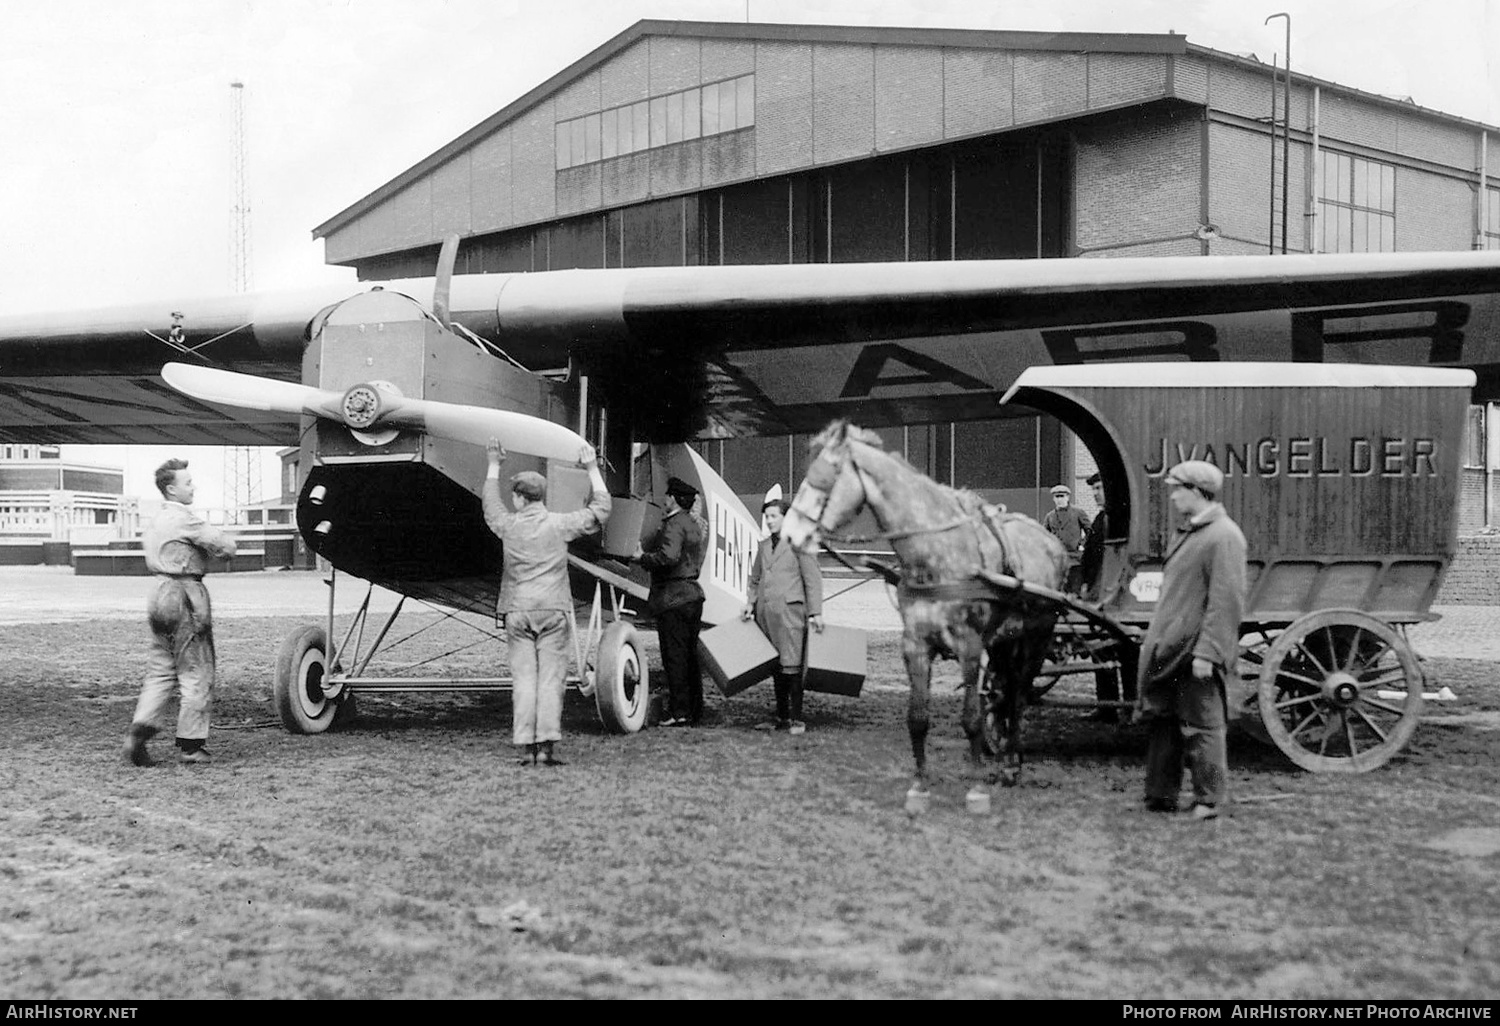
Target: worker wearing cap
point(535, 598)
point(1188, 657)
point(1071, 525)
point(1107, 680)
point(674, 557)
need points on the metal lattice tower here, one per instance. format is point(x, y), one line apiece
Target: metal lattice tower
point(242, 462)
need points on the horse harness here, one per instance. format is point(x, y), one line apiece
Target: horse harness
point(975, 588)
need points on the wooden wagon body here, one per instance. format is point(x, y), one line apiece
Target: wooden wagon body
point(1345, 480)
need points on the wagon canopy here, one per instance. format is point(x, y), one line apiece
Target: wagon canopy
point(1345, 478)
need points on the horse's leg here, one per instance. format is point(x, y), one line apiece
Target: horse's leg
point(978, 798)
point(973, 718)
point(1009, 700)
point(919, 674)
point(1014, 703)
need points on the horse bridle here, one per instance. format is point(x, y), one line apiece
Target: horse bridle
point(823, 474)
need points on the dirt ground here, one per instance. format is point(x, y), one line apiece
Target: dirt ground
point(409, 856)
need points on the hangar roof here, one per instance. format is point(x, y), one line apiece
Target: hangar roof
point(1068, 42)
point(1059, 42)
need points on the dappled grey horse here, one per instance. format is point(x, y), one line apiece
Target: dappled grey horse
point(945, 540)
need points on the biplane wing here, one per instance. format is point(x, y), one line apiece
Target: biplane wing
point(695, 351)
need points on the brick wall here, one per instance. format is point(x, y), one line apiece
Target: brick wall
point(1474, 577)
point(1138, 181)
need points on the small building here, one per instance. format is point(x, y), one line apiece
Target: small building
point(48, 504)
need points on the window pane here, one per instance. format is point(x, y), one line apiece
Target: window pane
point(674, 118)
point(640, 114)
point(624, 134)
point(1388, 235)
point(726, 106)
point(1345, 228)
point(659, 121)
point(591, 138)
point(579, 142)
point(562, 145)
point(1361, 242)
point(1388, 188)
point(710, 109)
point(745, 102)
point(1362, 171)
point(1345, 174)
point(692, 117)
point(609, 137)
point(1330, 174)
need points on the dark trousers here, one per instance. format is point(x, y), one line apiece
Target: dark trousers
point(788, 685)
point(1187, 725)
point(677, 630)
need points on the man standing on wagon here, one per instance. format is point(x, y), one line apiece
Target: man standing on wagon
point(1188, 657)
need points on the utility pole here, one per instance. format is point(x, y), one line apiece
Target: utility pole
point(241, 462)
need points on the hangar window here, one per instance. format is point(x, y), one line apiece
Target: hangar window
point(726, 106)
point(1491, 232)
point(1357, 204)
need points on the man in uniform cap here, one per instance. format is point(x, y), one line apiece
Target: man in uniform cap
point(535, 598)
point(674, 557)
point(1188, 657)
point(1070, 524)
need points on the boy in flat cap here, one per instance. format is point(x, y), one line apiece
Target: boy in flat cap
point(674, 557)
point(534, 595)
point(1188, 657)
point(1070, 524)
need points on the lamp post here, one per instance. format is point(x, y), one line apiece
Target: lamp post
point(1286, 131)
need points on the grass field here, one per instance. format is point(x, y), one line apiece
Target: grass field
point(408, 856)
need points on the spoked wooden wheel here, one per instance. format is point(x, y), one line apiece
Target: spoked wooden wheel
point(1320, 692)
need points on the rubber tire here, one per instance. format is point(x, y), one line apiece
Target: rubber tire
point(1283, 652)
point(622, 682)
point(300, 665)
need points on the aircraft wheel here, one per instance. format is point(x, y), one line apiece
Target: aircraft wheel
point(298, 687)
point(621, 683)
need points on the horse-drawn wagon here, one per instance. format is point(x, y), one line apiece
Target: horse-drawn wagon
point(1344, 479)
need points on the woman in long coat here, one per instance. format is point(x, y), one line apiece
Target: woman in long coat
point(785, 596)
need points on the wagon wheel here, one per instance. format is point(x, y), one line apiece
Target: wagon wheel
point(1319, 692)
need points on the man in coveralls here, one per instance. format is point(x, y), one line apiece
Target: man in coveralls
point(1189, 655)
point(534, 595)
point(674, 558)
point(178, 545)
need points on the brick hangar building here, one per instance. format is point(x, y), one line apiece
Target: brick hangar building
point(680, 143)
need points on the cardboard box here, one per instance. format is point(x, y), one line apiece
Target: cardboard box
point(622, 531)
point(837, 660)
point(736, 655)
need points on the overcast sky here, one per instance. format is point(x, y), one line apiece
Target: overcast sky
point(115, 117)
